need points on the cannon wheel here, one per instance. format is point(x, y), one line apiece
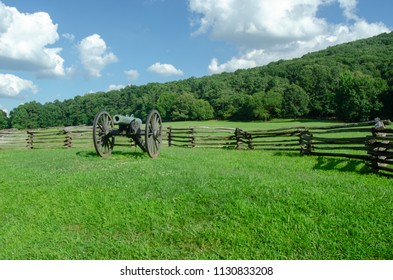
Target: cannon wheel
point(103, 141)
point(153, 133)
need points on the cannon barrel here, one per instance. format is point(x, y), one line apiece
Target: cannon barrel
point(126, 120)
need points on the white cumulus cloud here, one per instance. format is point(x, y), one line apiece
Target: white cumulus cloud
point(12, 86)
point(165, 69)
point(94, 55)
point(24, 40)
point(115, 87)
point(5, 110)
point(258, 23)
point(268, 30)
point(349, 8)
point(132, 74)
point(250, 59)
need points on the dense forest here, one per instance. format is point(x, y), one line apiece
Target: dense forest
point(348, 82)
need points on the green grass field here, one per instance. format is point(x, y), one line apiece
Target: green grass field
point(273, 124)
point(191, 204)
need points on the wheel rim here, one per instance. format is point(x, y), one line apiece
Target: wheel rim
point(103, 141)
point(153, 133)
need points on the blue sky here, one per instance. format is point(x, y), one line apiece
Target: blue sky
point(59, 49)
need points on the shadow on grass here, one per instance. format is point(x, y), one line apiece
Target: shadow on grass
point(115, 154)
point(343, 165)
point(328, 163)
point(288, 153)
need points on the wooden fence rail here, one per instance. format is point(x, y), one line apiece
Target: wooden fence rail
point(13, 139)
point(358, 141)
point(380, 149)
point(362, 141)
point(201, 137)
point(61, 137)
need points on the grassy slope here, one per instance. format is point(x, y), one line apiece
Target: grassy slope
point(191, 204)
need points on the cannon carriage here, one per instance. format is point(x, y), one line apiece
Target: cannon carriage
point(148, 139)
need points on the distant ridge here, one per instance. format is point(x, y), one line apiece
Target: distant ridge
point(350, 82)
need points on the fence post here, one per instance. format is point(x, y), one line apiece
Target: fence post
point(238, 135)
point(249, 140)
point(305, 141)
point(376, 148)
point(29, 140)
point(68, 140)
point(169, 135)
point(192, 138)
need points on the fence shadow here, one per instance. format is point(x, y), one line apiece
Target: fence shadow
point(288, 153)
point(343, 165)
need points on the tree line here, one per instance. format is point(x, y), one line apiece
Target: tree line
point(349, 82)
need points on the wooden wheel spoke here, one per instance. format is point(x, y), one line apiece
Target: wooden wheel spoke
point(153, 133)
point(102, 125)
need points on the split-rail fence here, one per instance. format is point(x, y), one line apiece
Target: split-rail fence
point(369, 141)
point(58, 137)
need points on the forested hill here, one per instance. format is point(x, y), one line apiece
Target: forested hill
point(350, 82)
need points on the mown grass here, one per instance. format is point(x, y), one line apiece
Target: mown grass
point(191, 204)
point(273, 124)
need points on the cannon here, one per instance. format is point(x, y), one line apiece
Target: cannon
point(148, 139)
